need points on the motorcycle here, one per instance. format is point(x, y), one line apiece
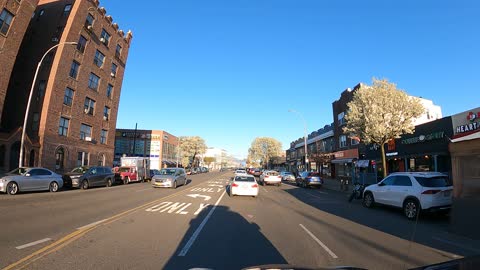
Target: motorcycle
point(357, 192)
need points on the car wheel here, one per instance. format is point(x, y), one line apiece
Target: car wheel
point(53, 186)
point(411, 208)
point(368, 200)
point(12, 188)
point(174, 184)
point(85, 184)
point(128, 180)
point(109, 182)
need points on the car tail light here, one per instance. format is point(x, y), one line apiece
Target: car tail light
point(234, 185)
point(255, 186)
point(431, 191)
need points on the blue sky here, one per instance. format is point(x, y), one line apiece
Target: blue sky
point(228, 71)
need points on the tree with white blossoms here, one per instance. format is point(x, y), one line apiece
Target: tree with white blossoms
point(380, 113)
point(264, 148)
point(190, 148)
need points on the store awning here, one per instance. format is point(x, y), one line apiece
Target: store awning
point(342, 160)
point(362, 163)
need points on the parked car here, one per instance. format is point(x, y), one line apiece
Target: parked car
point(270, 178)
point(153, 172)
point(412, 191)
point(170, 177)
point(30, 179)
point(257, 172)
point(287, 176)
point(309, 179)
point(67, 177)
point(244, 185)
point(92, 177)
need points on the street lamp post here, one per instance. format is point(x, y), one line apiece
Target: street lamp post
point(22, 141)
point(304, 136)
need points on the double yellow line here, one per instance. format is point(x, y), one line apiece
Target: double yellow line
point(59, 244)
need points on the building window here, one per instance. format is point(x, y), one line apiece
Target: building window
point(341, 118)
point(63, 126)
point(66, 9)
point(41, 88)
point(85, 132)
point(118, 51)
point(89, 106)
point(106, 37)
point(99, 59)
point(5, 21)
point(114, 70)
point(82, 42)
point(68, 97)
point(35, 121)
point(354, 141)
point(82, 159)
point(89, 20)
point(106, 113)
point(74, 69)
point(343, 141)
point(103, 137)
point(109, 90)
point(93, 81)
point(59, 158)
point(101, 160)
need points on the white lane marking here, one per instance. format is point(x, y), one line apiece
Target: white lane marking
point(143, 189)
point(264, 189)
point(192, 239)
point(457, 245)
point(216, 186)
point(319, 242)
point(205, 197)
point(91, 224)
point(33, 243)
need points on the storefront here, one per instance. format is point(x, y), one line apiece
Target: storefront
point(424, 150)
point(465, 156)
point(343, 166)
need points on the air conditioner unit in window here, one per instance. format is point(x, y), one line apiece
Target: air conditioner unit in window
point(85, 110)
point(112, 75)
point(89, 27)
point(88, 139)
point(105, 118)
point(102, 40)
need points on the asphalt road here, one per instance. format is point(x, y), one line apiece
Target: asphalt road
point(199, 225)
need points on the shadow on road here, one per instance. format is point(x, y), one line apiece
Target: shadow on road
point(227, 241)
point(384, 219)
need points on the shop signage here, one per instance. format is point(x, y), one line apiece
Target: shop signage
point(424, 138)
point(391, 154)
point(466, 123)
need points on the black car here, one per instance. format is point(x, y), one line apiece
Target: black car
point(85, 177)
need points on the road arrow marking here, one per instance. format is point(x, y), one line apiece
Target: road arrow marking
point(206, 198)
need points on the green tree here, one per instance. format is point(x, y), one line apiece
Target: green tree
point(190, 148)
point(380, 113)
point(209, 160)
point(264, 148)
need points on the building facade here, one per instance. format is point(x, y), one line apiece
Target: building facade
point(75, 100)
point(14, 19)
point(220, 156)
point(159, 146)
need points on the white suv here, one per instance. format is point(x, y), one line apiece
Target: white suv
point(411, 191)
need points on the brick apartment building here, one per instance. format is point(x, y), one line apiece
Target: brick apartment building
point(158, 145)
point(14, 19)
point(73, 114)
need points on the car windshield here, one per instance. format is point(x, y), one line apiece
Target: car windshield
point(167, 172)
point(124, 169)
point(438, 181)
point(244, 179)
point(80, 170)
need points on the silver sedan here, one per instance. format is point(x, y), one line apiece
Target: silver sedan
point(30, 179)
point(170, 177)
